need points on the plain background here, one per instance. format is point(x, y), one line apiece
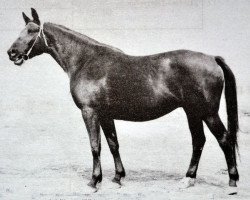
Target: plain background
point(140, 27)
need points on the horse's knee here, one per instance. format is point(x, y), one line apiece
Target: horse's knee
point(199, 142)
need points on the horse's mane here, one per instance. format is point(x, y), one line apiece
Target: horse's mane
point(79, 37)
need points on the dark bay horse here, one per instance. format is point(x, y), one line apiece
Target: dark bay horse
point(106, 84)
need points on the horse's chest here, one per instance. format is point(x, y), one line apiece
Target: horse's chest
point(87, 92)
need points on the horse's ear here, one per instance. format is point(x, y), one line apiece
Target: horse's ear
point(26, 19)
point(35, 16)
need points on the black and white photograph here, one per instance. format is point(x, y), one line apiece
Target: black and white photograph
point(124, 99)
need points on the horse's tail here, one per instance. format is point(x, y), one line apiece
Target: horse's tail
point(231, 100)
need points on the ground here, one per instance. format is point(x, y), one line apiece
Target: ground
point(45, 154)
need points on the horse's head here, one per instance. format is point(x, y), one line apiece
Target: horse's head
point(30, 42)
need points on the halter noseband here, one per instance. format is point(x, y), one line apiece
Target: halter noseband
point(41, 35)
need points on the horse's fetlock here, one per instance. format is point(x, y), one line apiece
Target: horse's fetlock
point(234, 176)
point(121, 173)
point(191, 174)
point(97, 178)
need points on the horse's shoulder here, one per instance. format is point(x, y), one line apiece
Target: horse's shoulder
point(86, 88)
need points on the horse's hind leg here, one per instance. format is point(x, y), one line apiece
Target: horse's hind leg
point(108, 127)
point(198, 141)
point(219, 131)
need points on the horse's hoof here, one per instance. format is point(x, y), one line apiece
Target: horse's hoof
point(232, 190)
point(112, 185)
point(186, 182)
point(115, 180)
point(92, 187)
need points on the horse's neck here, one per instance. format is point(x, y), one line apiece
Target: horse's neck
point(68, 48)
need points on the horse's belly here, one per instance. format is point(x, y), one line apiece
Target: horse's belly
point(141, 112)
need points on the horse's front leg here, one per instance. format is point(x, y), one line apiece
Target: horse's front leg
point(93, 127)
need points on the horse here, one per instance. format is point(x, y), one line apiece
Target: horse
point(106, 85)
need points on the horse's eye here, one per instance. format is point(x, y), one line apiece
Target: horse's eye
point(32, 31)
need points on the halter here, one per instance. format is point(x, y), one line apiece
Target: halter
point(41, 35)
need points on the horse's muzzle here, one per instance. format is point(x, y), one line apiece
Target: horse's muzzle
point(12, 54)
point(17, 58)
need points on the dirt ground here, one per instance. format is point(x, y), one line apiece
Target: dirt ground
point(45, 154)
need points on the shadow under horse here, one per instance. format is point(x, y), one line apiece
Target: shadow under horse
point(107, 84)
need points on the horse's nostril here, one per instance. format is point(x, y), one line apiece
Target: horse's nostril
point(12, 52)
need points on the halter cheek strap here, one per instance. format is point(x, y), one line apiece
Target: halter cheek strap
point(41, 35)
